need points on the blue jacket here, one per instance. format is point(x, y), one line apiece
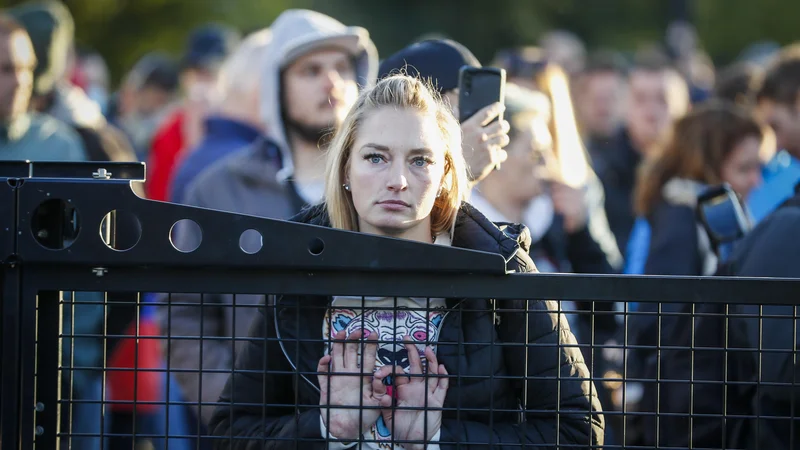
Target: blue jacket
point(223, 137)
point(781, 174)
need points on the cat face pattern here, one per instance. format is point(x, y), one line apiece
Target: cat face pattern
point(391, 325)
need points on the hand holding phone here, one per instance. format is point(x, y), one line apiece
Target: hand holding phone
point(480, 106)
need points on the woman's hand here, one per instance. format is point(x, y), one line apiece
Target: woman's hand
point(414, 392)
point(343, 383)
point(570, 203)
point(483, 141)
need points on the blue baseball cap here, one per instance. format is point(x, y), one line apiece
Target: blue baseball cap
point(208, 46)
point(439, 60)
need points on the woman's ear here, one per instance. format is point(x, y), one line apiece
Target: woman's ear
point(346, 173)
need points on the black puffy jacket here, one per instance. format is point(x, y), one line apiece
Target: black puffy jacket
point(258, 405)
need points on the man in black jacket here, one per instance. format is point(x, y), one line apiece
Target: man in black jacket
point(771, 250)
point(752, 410)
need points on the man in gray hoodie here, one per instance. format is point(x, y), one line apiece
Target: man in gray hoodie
point(310, 79)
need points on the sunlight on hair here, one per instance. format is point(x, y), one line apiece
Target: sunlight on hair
point(573, 165)
point(769, 145)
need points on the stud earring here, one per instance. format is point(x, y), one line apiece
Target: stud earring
point(439, 194)
point(346, 187)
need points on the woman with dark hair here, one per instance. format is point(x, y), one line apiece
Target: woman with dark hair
point(383, 372)
point(716, 143)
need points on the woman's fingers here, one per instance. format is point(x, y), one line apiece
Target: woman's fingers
point(496, 129)
point(351, 351)
point(433, 368)
point(378, 386)
point(379, 389)
point(500, 141)
point(370, 353)
point(486, 115)
point(400, 377)
point(337, 351)
point(323, 368)
point(500, 156)
point(444, 383)
point(433, 363)
point(415, 364)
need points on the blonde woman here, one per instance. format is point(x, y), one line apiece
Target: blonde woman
point(426, 373)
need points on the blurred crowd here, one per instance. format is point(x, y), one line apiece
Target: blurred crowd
point(601, 154)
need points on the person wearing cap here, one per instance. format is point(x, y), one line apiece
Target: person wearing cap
point(235, 120)
point(147, 96)
point(310, 78)
point(52, 32)
point(439, 61)
point(207, 48)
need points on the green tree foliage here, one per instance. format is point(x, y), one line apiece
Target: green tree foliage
point(124, 30)
point(728, 26)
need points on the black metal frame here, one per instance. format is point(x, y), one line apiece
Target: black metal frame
point(295, 258)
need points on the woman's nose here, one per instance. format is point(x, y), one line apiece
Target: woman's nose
point(397, 178)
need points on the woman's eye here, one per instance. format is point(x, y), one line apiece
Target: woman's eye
point(420, 162)
point(374, 158)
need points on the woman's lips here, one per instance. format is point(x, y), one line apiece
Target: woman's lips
point(394, 205)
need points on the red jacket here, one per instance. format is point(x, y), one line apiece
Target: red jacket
point(167, 145)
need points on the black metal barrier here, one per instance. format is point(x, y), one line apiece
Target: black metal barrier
point(115, 335)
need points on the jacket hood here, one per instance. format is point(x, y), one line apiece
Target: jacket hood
point(72, 106)
point(297, 32)
point(472, 231)
point(683, 192)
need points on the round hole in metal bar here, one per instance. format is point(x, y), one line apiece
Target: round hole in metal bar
point(316, 246)
point(120, 230)
point(55, 224)
point(186, 235)
point(251, 241)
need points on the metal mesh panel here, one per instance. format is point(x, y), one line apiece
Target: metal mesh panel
point(116, 338)
point(247, 371)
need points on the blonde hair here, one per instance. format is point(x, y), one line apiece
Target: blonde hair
point(573, 165)
point(397, 91)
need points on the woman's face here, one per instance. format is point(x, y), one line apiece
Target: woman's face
point(742, 167)
point(521, 173)
point(396, 170)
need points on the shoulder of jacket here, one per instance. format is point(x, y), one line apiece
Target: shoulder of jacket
point(511, 240)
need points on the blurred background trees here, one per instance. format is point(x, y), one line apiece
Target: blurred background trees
point(124, 30)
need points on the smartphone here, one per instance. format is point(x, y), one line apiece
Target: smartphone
point(722, 214)
point(479, 87)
